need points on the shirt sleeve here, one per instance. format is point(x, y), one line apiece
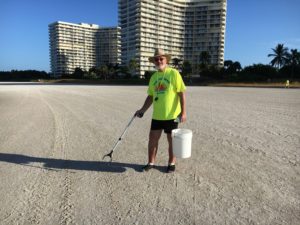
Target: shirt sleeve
point(180, 86)
point(150, 90)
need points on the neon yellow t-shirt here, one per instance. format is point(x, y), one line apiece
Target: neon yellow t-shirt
point(165, 86)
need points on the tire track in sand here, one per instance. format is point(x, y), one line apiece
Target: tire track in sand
point(61, 140)
point(37, 210)
point(35, 195)
point(39, 200)
point(67, 206)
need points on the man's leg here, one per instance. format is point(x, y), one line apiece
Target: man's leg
point(172, 158)
point(153, 144)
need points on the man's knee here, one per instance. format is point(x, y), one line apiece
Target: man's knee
point(155, 134)
point(154, 137)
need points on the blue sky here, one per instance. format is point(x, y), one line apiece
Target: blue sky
point(253, 28)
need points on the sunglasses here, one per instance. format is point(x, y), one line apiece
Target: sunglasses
point(159, 59)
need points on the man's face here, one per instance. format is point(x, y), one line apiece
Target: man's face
point(160, 62)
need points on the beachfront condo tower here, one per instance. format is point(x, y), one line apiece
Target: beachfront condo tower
point(82, 45)
point(182, 28)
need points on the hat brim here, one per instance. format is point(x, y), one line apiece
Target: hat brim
point(152, 59)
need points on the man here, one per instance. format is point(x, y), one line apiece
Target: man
point(287, 84)
point(166, 93)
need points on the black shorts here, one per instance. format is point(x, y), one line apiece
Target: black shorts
point(166, 125)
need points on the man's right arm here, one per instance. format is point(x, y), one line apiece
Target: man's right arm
point(146, 106)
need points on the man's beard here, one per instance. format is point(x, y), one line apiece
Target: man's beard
point(161, 68)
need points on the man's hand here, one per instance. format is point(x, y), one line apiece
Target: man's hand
point(147, 104)
point(139, 113)
point(183, 117)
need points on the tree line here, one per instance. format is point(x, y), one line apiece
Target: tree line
point(23, 75)
point(105, 72)
point(284, 64)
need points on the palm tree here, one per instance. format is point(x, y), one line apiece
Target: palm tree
point(92, 73)
point(205, 58)
point(133, 65)
point(228, 63)
point(176, 62)
point(111, 70)
point(294, 60)
point(280, 56)
point(124, 71)
point(294, 57)
point(78, 73)
point(231, 67)
point(117, 69)
point(186, 68)
point(104, 71)
point(237, 66)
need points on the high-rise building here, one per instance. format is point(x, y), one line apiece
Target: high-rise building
point(109, 50)
point(82, 45)
point(183, 28)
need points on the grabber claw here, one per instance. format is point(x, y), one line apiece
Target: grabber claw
point(108, 155)
point(120, 138)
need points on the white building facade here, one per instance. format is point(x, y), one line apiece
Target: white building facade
point(82, 45)
point(183, 28)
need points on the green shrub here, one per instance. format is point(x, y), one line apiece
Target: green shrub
point(148, 74)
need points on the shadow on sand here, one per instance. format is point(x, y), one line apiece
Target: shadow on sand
point(61, 164)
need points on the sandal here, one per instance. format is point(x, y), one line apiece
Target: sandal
point(171, 168)
point(147, 167)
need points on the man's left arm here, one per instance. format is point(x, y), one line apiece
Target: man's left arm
point(183, 108)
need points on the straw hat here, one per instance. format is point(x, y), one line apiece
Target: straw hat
point(159, 52)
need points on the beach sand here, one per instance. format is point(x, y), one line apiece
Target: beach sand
point(244, 168)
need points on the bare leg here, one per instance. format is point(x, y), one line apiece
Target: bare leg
point(153, 144)
point(172, 158)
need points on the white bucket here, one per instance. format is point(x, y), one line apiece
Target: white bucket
point(182, 143)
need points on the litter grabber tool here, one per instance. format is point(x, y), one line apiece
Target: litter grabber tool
point(120, 138)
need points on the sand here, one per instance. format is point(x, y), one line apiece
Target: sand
point(244, 169)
